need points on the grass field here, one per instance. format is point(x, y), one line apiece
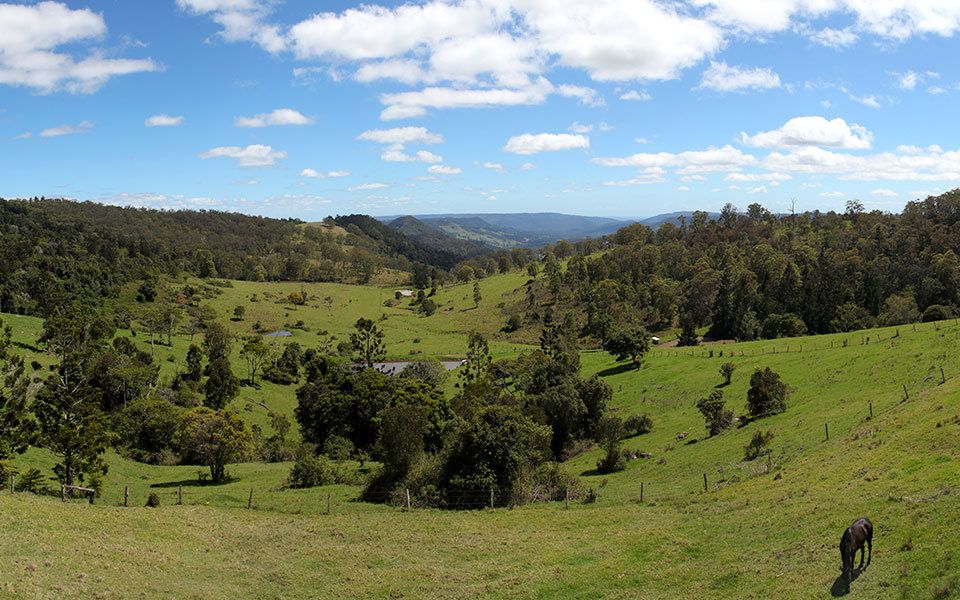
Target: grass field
point(763, 529)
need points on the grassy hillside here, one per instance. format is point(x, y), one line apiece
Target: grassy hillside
point(762, 529)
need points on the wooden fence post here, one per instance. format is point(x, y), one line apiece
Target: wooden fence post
point(906, 394)
point(826, 428)
point(328, 503)
point(180, 494)
point(943, 378)
point(871, 410)
point(566, 498)
point(408, 500)
point(63, 492)
point(13, 483)
point(491, 497)
point(641, 492)
point(250, 499)
point(126, 495)
point(704, 482)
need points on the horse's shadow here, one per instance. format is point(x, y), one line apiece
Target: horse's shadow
point(839, 587)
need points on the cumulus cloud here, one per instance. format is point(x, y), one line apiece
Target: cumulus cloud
point(712, 160)
point(444, 170)
point(927, 166)
point(635, 95)
point(401, 135)
point(37, 45)
point(313, 173)
point(396, 155)
point(367, 186)
point(577, 127)
point(545, 142)
point(163, 120)
point(754, 177)
point(280, 116)
point(834, 38)
point(82, 127)
point(884, 192)
point(724, 78)
point(241, 20)
point(812, 131)
point(253, 156)
point(495, 166)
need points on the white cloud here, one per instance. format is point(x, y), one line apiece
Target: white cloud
point(884, 192)
point(712, 160)
point(444, 170)
point(635, 95)
point(683, 188)
point(396, 155)
point(313, 173)
point(545, 142)
point(585, 95)
point(245, 182)
point(581, 128)
point(757, 190)
point(30, 36)
point(280, 116)
point(401, 135)
point(82, 127)
point(812, 131)
point(928, 166)
point(495, 166)
point(367, 186)
point(527, 166)
point(724, 78)
point(26, 135)
point(403, 105)
point(163, 120)
point(833, 194)
point(649, 178)
point(253, 156)
point(754, 177)
point(834, 38)
point(908, 80)
point(241, 20)
point(804, 186)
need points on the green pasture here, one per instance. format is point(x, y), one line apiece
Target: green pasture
point(767, 528)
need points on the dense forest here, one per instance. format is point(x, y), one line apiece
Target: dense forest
point(54, 252)
point(755, 274)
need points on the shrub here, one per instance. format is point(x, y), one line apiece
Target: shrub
point(311, 471)
point(548, 483)
point(718, 418)
point(513, 323)
point(726, 371)
point(758, 445)
point(639, 424)
point(31, 480)
point(338, 448)
point(153, 500)
point(936, 312)
point(767, 394)
point(785, 325)
point(614, 460)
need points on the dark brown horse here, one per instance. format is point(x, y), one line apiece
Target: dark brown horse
point(853, 538)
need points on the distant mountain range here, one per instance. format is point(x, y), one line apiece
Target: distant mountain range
point(509, 230)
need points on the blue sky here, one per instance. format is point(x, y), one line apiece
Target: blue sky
point(625, 108)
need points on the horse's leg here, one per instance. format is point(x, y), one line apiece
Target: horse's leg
point(862, 552)
point(870, 545)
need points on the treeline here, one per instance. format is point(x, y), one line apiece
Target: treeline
point(55, 252)
point(755, 274)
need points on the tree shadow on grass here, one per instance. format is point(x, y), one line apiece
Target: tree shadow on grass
point(616, 370)
point(839, 587)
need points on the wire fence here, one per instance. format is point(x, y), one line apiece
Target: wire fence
point(647, 490)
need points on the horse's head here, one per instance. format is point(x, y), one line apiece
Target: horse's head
point(847, 550)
